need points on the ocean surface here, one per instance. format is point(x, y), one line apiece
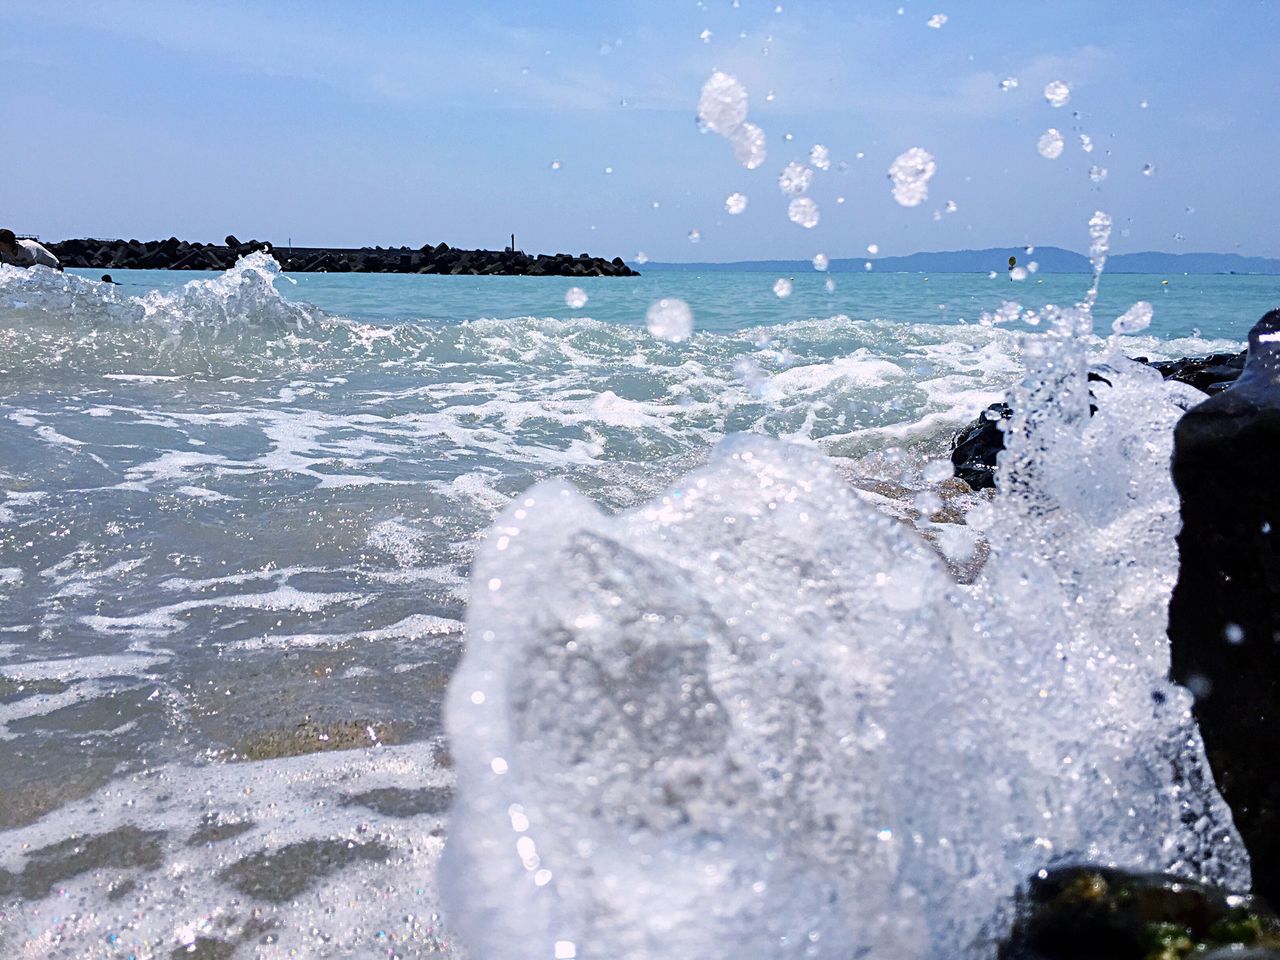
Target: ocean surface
point(238, 514)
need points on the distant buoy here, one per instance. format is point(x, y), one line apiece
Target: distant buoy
point(1164, 283)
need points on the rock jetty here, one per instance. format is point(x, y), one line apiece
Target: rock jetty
point(175, 254)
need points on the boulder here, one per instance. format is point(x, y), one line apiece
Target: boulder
point(975, 448)
point(1224, 616)
point(1096, 913)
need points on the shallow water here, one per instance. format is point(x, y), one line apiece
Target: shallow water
point(237, 519)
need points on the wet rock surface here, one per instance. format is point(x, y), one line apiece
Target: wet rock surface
point(126, 848)
point(975, 448)
point(1095, 913)
point(278, 876)
point(403, 801)
point(175, 254)
point(1224, 616)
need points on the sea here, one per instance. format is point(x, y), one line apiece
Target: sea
point(239, 512)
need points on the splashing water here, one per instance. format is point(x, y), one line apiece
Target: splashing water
point(722, 109)
point(749, 145)
point(694, 728)
point(821, 261)
point(911, 172)
point(937, 20)
point(669, 319)
point(1057, 94)
point(1134, 320)
point(722, 106)
point(820, 157)
point(795, 179)
point(575, 298)
point(735, 203)
point(804, 212)
point(1050, 144)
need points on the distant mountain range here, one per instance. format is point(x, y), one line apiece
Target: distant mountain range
point(1049, 259)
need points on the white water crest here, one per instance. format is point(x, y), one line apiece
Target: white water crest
point(757, 717)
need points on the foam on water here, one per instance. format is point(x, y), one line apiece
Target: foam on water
point(756, 717)
point(226, 515)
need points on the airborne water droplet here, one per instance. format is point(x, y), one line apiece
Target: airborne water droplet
point(1057, 93)
point(1133, 320)
point(722, 105)
point(937, 20)
point(1050, 144)
point(803, 211)
point(821, 261)
point(695, 235)
point(1009, 83)
point(911, 172)
point(735, 203)
point(820, 157)
point(576, 298)
point(669, 319)
point(749, 145)
point(1097, 174)
point(782, 287)
point(795, 179)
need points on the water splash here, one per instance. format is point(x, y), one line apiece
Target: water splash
point(1050, 144)
point(722, 106)
point(795, 179)
point(804, 212)
point(669, 319)
point(706, 710)
point(1057, 94)
point(749, 145)
point(735, 203)
point(910, 173)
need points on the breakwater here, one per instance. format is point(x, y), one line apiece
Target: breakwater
point(175, 254)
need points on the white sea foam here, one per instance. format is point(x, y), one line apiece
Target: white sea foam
point(694, 728)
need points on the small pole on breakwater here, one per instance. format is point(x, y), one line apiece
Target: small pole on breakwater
point(513, 243)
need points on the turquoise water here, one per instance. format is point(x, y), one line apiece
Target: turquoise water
point(239, 511)
point(1217, 306)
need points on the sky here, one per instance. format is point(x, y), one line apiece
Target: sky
point(573, 123)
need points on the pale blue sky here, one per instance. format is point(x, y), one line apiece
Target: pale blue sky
point(407, 122)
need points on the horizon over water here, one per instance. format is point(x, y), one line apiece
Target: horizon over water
point(238, 515)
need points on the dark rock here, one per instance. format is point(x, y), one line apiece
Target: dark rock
point(1224, 616)
point(175, 254)
point(126, 847)
point(975, 448)
point(402, 801)
point(1096, 913)
point(1212, 374)
point(278, 876)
